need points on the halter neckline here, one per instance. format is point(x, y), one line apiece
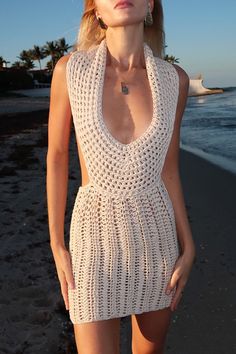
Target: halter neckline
point(150, 63)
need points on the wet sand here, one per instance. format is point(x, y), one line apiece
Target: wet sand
point(33, 317)
point(15, 105)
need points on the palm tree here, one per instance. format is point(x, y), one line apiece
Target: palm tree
point(25, 55)
point(28, 64)
point(51, 49)
point(2, 61)
point(38, 53)
point(26, 59)
point(171, 59)
point(63, 47)
point(17, 65)
point(56, 49)
point(49, 66)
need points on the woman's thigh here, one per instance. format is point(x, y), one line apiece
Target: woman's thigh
point(149, 330)
point(99, 337)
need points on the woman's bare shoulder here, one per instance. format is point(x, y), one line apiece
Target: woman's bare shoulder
point(183, 76)
point(62, 63)
point(183, 91)
point(77, 55)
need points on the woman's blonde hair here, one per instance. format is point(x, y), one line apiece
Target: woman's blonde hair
point(91, 34)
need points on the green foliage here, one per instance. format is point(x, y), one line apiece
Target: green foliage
point(15, 79)
point(171, 59)
point(42, 77)
point(17, 65)
point(37, 53)
point(1, 62)
point(53, 49)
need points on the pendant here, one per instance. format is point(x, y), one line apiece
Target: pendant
point(124, 88)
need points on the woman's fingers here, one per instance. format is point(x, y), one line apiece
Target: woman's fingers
point(177, 296)
point(173, 281)
point(176, 283)
point(64, 290)
point(64, 270)
point(179, 278)
point(67, 268)
point(66, 280)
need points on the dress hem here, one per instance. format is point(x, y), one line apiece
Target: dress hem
point(155, 308)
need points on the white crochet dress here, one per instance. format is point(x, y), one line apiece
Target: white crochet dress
point(123, 238)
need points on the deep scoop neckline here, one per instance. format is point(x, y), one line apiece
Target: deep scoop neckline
point(149, 62)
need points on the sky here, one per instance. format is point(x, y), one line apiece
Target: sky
point(200, 33)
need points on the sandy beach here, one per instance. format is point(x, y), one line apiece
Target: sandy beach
point(13, 105)
point(33, 317)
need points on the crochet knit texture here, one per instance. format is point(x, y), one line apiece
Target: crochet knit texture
point(123, 238)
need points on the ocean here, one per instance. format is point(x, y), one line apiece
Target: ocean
point(208, 128)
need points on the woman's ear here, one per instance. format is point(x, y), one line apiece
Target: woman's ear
point(151, 4)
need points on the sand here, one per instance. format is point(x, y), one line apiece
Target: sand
point(33, 317)
point(14, 105)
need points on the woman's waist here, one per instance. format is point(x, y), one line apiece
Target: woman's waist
point(126, 190)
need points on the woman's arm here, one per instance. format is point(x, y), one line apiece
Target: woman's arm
point(171, 177)
point(59, 127)
point(170, 172)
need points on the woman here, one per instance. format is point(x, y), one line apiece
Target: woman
point(131, 248)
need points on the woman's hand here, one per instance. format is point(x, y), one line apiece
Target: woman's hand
point(180, 276)
point(64, 271)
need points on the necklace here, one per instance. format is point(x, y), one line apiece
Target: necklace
point(124, 88)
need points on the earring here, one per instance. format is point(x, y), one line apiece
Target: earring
point(101, 23)
point(148, 21)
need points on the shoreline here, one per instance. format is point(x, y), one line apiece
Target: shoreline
point(219, 161)
point(24, 104)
